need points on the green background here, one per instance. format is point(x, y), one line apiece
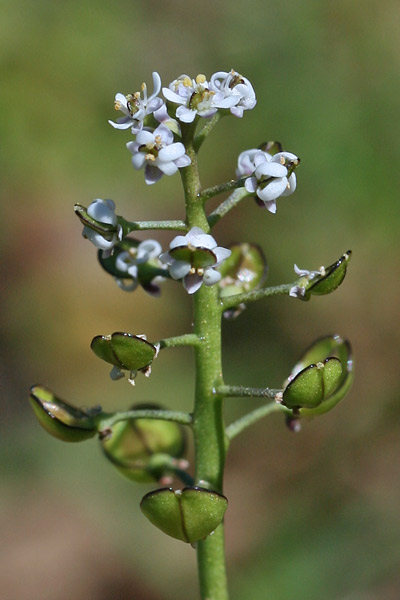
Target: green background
point(311, 515)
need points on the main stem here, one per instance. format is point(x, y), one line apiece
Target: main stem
point(208, 423)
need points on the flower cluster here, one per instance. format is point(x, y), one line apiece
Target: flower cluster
point(155, 148)
point(269, 176)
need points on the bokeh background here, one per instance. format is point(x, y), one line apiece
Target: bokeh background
point(311, 515)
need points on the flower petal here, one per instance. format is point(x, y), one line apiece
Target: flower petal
point(272, 190)
point(179, 269)
point(192, 283)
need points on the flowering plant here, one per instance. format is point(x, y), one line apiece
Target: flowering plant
point(147, 444)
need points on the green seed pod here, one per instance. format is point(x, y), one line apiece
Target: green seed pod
point(189, 515)
point(321, 378)
point(333, 277)
point(60, 419)
point(125, 351)
point(198, 258)
point(321, 282)
point(143, 449)
point(244, 270)
point(313, 384)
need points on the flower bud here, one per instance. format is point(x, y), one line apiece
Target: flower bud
point(60, 419)
point(321, 378)
point(127, 352)
point(189, 515)
point(144, 450)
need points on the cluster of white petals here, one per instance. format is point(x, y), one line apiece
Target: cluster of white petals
point(128, 261)
point(103, 211)
point(155, 149)
point(193, 277)
point(270, 176)
point(157, 153)
point(200, 97)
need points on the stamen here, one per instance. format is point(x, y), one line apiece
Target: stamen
point(201, 78)
point(187, 82)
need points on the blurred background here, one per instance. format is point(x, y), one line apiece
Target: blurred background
point(311, 515)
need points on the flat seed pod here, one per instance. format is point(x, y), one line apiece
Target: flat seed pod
point(199, 258)
point(124, 350)
point(334, 275)
point(129, 445)
point(313, 384)
point(60, 419)
point(189, 515)
point(244, 270)
point(337, 382)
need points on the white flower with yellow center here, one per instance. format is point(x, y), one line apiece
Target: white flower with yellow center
point(157, 153)
point(137, 106)
point(193, 258)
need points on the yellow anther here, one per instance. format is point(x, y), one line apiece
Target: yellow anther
point(150, 157)
point(192, 271)
point(200, 272)
point(187, 82)
point(137, 94)
point(143, 87)
point(282, 160)
point(158, 140)
point(201, 78)
point(117, 105)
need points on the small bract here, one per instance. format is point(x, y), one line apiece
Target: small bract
point(189, 515)
point(60, 419)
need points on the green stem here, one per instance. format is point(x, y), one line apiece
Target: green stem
point(189, 339)
point(277, 290)
point(227, 205)
point(222, 187)
point(255, 415)
point(129, 226)
point(208, 423)
point(206, 129)
point(236, 391)
point(107, 420)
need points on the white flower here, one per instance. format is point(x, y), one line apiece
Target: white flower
point(195, 98)
point(136, 108)
point(273, 177)
point(157, 152)
point(193, 258)
point(128, 261)
point(237, 88)
point(103, 211)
